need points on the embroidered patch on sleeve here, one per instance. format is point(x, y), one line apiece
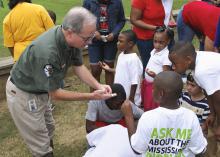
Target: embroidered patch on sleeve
point(48, 70)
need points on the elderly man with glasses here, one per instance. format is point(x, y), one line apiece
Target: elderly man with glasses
point(36, 79)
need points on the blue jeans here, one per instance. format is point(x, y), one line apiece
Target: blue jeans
point(185, 33)
point(145, 47)
point(101, 51)
point(217, 35)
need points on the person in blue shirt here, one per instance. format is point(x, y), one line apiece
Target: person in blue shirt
point(110, 21)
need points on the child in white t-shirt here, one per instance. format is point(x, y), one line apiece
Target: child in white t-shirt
point(158, 62)
point(129, 68)
point(169, 130)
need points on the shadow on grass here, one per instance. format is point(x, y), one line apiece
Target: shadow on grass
point(77, 149)
point(7, 127)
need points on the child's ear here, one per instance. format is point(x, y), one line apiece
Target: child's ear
point(130, 43)
point(69, 32)
point(189, 59)
point(161, 93)
point(168, 41)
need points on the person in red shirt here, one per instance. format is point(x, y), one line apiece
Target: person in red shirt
point(202, 18)
point(146, 16)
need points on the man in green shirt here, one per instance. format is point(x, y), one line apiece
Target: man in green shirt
point(36, 78)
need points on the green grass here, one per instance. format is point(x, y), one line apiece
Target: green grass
point(69, 140)
point(177, 4)
point(70, 133)
point(61, 7)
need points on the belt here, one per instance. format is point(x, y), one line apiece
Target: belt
point(12, 80)
point(37, 93)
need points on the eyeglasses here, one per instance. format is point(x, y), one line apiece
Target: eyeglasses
point(87, 39)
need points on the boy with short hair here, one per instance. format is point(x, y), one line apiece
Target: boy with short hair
point(194, 99)
point(104, 112)
point(129, 68)
point(169, 130)
point(206, 71)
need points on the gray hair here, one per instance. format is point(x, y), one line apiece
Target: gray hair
point(76, 18)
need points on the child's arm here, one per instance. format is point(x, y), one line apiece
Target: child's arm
point(172, 22)
point(132, 92)
point(129, 120)
point(211, 118)
point(198, 143)
point(91, 115)
point(166, 68)
point(150, 73)
point(216, 102)
point(90, 126)
point(105, 66)
point(204, 129)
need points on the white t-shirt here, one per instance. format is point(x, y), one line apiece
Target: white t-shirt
point(99, 111)
point(156, 62)
point(128, 72)
point(109, 141)
point(167, 4)
point(207, 71)
point(164, 131)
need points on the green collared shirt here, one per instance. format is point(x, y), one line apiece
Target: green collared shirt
point(44, 63)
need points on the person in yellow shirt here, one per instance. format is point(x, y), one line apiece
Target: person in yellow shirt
point(24, 23)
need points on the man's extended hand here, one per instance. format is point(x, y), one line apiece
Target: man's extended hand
point(106, 88)
point(103, 92)
point(102, 95)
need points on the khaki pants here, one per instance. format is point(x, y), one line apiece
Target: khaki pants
point(33, 117)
